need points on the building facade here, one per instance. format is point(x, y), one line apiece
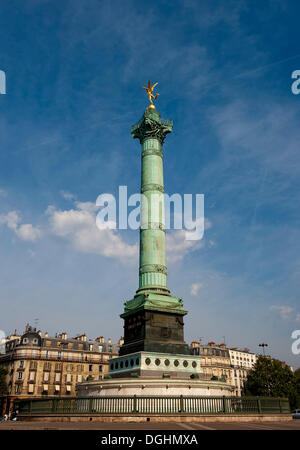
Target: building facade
point(228, 364)
point(215, 360)
point(39, 365)
point(242, 361)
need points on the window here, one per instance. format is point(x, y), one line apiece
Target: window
point(31, 376)
point(58, 355)
point(20, 376)
point(57, 377)
point(47, 354)
point(100, 348)
point(18, 389)
point(33, 364)
point(21, 365)
point(79, 378)
point(90, 368)
point(90, 347)
point(48, 343)
point(35, 341)
point(45, 389)
point(46, 376)
point(47, 366)
point(101, 368)
point(68, 378)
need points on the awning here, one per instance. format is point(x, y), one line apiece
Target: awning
point(68, 388)
point(30, 388)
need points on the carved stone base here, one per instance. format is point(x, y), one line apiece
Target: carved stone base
point(154, 331)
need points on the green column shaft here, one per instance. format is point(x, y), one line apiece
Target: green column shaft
point(152, 269)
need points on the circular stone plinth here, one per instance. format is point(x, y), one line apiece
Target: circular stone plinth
point(153, 387)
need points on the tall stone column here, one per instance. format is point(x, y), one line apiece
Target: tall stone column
point(151, 132)
point(153, 319)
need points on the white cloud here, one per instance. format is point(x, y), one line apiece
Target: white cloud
point(10, 219)
point(26, 231)
point(67, 195)
point(178, 246)
point(78, 227)
point(284, 311)
point(195, 287)
point(298, 318)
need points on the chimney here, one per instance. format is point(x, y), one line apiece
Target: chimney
point(83, 337)
point(109, 340)
point(195, 344)
point(100, 339)
point(211, 344)
point(39, 333)
point(222, 345)
point(46, 334)
point(121, 341)
point(64, 335)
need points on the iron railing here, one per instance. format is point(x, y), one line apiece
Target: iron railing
point(155, 405)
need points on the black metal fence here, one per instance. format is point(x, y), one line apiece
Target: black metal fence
point(155, 405)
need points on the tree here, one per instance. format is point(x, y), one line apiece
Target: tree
point(297, 375)
point(3, 384)
point(273, 378)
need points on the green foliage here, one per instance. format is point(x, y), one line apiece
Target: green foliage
point(89, 378)
point(270, 377)
point(297, 375)
point(3, 384)
point(107, 377)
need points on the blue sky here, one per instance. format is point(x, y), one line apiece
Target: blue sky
point(74, 72)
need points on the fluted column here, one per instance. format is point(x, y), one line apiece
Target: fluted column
point(151, 131)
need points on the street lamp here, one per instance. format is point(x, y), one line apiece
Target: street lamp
point(263, 345)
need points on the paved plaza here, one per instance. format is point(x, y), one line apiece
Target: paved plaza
point(23, 425)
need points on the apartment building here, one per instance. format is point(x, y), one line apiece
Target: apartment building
point(40, 366)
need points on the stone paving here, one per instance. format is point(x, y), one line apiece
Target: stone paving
point(23, 425)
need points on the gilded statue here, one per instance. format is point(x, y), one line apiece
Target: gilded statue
point(149, 90)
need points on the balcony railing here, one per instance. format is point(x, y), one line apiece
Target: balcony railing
point(53, 358)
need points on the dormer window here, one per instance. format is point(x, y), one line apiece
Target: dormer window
point(35, 340)
point(25, 340)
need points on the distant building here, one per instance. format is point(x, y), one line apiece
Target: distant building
point(242, 361)
point(228, 364)
point(215, 361)
point(40, 366)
